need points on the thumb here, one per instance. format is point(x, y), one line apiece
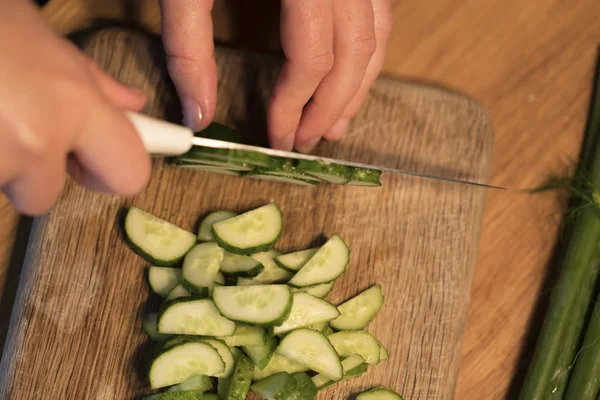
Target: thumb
point(187, 33)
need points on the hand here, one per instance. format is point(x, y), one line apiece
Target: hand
point(59, 112)
point(335, 50)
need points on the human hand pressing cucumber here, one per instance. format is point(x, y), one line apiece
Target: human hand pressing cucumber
point(59, 113)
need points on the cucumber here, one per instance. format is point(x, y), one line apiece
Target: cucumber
point(186, 395)
point(238, 265)
point(202, 154)
point(239, 386)
point(348, 343)
point(271, 272)
point(356, 371)
point(149, 324)
point(225, 353)
point(209, 396)
point(216, 165)
point(288, 168)
point(246, 335)
point(267, 176)
point(262, 354)
point(319, 327)
point(204, 231)
point(181, 362)
point(379, 393)
point(306, 310)
point(383, 352)
point(207, 168)
point(283, 386)
point(163, 279)
point(320, 290)
point(178, 292)
point(305, 388)
point(359, 311)
point(327, 330)
point(294, 261)
point(276, 364)
point(200, 268)
point(254, 231)
point(333, 173)
point(156, 240)
point(219, 279)
point(191, 316)
point(266, 305)
point(200, 383)
point(364, 177)
point(348, 364)
point(325, 265)
point(312, 349)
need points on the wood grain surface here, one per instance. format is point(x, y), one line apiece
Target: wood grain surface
point(76, 328)
point(530, 62)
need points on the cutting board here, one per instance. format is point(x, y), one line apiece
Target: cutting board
point(76, 329)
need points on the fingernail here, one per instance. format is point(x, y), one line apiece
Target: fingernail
point(339, 128)
point(307, 146)
point(192, 114)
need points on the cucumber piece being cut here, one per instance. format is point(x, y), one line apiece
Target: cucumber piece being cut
point(271, 272)
point(359, 311)
point(200, 383)
point(380, 393)
point(208, 164)
point(312, 349)
point(348, 364)
point(149, 324)
point(156, 240)
point(262, 354)
point(320, 290)
point(348, 343)
point(294, 261)
point(306, 310)
point(200, 268)
point(246, 335)
point(276, 364)
point(239, 385)
point(204, 231)
point(191, 316)
point(163, 279)
point(328, 263)
point(266, 176)
point(333, 173)
point(183, 361)
point(238, 265)
point(364, 177)
point(226, 355)
point(178, 292)
point(254, 231)
point(266, 305)
point(207, 168)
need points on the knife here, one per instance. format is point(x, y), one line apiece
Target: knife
point(162, 138)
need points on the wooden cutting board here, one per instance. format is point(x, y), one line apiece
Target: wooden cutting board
point(76, 329)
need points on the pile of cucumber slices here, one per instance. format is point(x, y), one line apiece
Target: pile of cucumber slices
point(240, 316)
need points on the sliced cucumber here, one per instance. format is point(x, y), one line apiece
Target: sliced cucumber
point(333, 173)
point(279, 386)
point(271, 272)
point(246, 335)
point(225, 353)
point(149, 324)
point(204, 231)
point(383, 353)
point(219, 279)
point(232, 156)
point(320, 290)
point(359, 370)
point(348, 343)
point(158, 241)
point(312, 349)
point(200, 268)
point(207, 168)
point(305, 311)
point(288, 168)
point(217, 165)
point(251, 232)
point(319, 327)
point(178, 292)
point(327, 330)
point(364, 177)
point(305, 388)
point(359, 311)
point(266, 176)
point(277, 364)
point(209, 396)
point(181, 362)
point(348, 364)
point(239, 386)
point(163, 279)
point(238, 265)
point(261, 354)
point(294, 261)
point(200, 383)
point(191, 316)
point(380, 393)
point(325, 265)
point(186, 395)
point(266, 305)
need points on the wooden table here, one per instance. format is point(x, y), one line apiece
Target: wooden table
point(530, 62)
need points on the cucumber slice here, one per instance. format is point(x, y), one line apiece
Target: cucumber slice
point(209, 396)
point(191, 316)
point(319, 327)
point(327, 330)
point(181, 362)
point(246, 335)
point(156, 240)
point(348, 343)
point(218, 165)
point(305, 388)
point(283, 386)
point(312, 349)
point(186, 395)
point(178, 292)
point(202, 154)
point(251, 232)
point(325, 266)
point(294, 261)
point(383, 352)
point(356, 371)
point(266, 176)
point(286, 167)
point(379, 393)
point(163, 279)
point(266, 305)
point(262, 354)
point(277, 364)
point(271, 272)
point(226, 355)
point(364, 177)
point(207, 168)
point(238, 265)
point(239, 386)
point(200, 268)
point(219, 279)
point(333, 173)
point(149, 324)
point(306, 310)
point(348, 364)
point(200, 383)
point(359, 311)
point(204, 231)
point(320, 290)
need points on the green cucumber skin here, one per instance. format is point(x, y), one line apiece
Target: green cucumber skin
point(365, 177)
point(196, 291)
point(356, 371)
point(247, 274)
point(185, 395)
point(241, 379)
point(379, 391)
point(270, 346)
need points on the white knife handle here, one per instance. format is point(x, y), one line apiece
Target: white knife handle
point(161, 137)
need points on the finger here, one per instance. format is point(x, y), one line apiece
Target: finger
point(307, 41)
point(384, 21)
point(111, 152)
point(188, 38)
point(354, 45)
point(120, 95)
